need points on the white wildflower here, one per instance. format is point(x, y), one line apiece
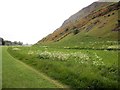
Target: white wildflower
point(16, 49)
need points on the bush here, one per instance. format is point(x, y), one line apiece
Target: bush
point(76, 31)
point(118, 22)
point(66, 30)
point(93, 17)
point(108, 15)
point(113, 13)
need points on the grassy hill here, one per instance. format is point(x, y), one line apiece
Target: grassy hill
point(82, 53)
point(95, 26)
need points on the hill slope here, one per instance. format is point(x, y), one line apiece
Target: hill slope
point(97, 22)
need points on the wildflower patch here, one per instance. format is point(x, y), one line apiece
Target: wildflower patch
point(77, 57)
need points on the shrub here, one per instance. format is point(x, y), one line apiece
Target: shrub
point(61, 33)
point(76, 31)
point(118, 22)
point(56, 36)
point(113, 13)
point(66, 30)
point(108, 15)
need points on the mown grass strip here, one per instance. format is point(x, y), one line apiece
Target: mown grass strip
point(0, 67)
point(19, 75)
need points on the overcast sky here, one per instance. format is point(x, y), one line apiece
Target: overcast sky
point(31, 20)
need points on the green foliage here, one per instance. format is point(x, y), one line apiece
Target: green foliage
point(82, 68)
point(75, 31)
point(109, 15)
point(85, 59)
point(0, 67)
point(102, 28)
point(66, 30)
point(119, 22)
point(18, 75)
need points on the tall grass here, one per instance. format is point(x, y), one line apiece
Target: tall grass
point(76, 68)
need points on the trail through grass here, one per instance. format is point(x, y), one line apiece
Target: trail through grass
point(16, 74)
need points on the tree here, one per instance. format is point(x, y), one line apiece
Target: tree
point(15, 42)
point(20, 43)
point(3, 41)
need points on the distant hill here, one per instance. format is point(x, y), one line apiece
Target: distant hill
point(98, 21)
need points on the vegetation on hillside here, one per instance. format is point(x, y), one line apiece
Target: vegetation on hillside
point(101, 23)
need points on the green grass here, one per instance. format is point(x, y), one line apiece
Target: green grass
point(88, 59)
point(70, 71)
point(99, 33)
point(0, 67)
point(19, 75)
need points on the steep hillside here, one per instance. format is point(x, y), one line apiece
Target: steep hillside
point(97, 22)
point(84, 12)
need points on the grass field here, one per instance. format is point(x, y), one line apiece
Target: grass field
point(0, 67)
point(87, 59)
point(73, 67)
point(81, 54)
point(16, 74)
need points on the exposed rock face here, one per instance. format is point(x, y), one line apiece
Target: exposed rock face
point(85, 11)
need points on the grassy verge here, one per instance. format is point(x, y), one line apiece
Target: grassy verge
point(19, 75)
point(0, 67)
point(76, 68)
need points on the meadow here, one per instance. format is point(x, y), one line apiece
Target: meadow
point(83, 53)
point(17, 74)
point(76, 68)
point(0, 67)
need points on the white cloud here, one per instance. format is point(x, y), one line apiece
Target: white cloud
point(31, 20)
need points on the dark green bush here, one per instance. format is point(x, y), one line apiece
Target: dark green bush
point(76, 31)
